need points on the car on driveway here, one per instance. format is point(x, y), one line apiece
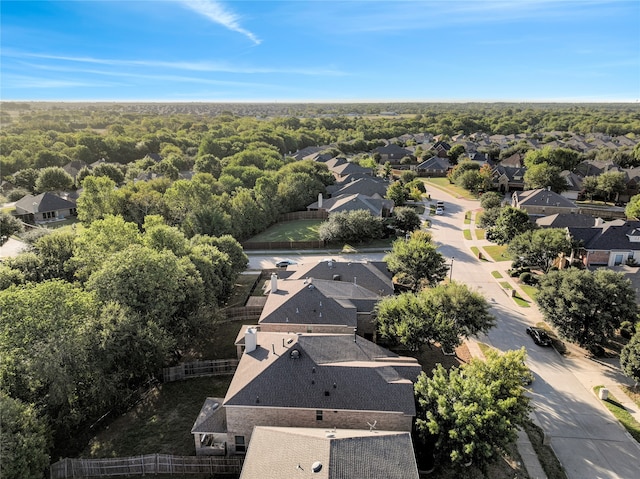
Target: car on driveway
point(283, 263)
point(539, 336)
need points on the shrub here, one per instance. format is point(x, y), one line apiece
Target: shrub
point(626, 333)
point(626, 325)
point(596, 350)
point(526, 277)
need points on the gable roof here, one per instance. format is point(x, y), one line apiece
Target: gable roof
point(375, 276)
point(43, 202)
point(339, 454)
point(212, 417)
point(614, 235)
point(434, 163)
point(317, 301)
point(511, 173)
point(353, 202)
point(323, 371)
point(367, 185)
point(565, 220)
point(542, 197)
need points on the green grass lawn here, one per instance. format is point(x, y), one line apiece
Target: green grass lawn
point(443, 184)
point(480, 233)
point(530, 291)
point(621, 414)
point(505, 285)
point(547, 457)
point(633, 393)
point(475, 250)
point(161, 423)
point(497, 252)
point(484, 348)
point(467, 218)
point(299, 230)
point(496, 274)
point(467, 234)
point(520, 301)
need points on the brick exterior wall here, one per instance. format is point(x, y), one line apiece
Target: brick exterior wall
point(242, 420)
point(596, 257)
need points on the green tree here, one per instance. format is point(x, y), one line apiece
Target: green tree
point(612, 183)
point(406, 219)
point(55, 251)
point(590, 186)
point(166, 289)
point(586, 306)
point(444, 314)
point(510, 223)
point(470, 414)
point(25, 440)
point(53, 178)
point(461, 168)
point(630, 358)
point(208, 164)
point(543, 175)
point(455, 152)
point(351, 226)
point(415, 262)
point(26, 178)
point(540, 248)
point(398, 193)
point(160, 237)
point(110, 170)
point(632, 209)
point(491, 199)
point(9, 225)
point(98, 199)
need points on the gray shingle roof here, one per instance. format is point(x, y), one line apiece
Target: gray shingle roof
point(352, 203)
point(343, 454)
point(542, 197)
point(212, 417)
point(367, 275)
point(565, 220)
point(366, 185)
point(614, 235)
point(43, 202)
point(332, 371)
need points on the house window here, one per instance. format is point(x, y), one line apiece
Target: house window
point(240, 445)
point(319, 415)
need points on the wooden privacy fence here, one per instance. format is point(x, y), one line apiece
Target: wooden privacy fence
point(210, 367)
point(273, 245)
point(143, 465)
point(246, 313)
point(304, 215)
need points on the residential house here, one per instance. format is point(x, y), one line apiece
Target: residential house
point(609, 244)
point(542, 202)
point(366, 185)
point(318, 305)
point(434, 166)
point(574, 185)
point(372, 275)
point(209, 429)
point(507, 178)
point(44, 207)
point(73, 168)
point(566, 220)
point(319, 381)
point(376, 206)
point(441, 149)
point(514, 161)
point(309, 150)
point(340, 172)
point(391, 153)
point(280, 452)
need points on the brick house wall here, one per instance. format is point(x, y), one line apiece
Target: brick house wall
point(241, 420)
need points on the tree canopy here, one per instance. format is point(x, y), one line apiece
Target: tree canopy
point(586, 306)
point(416, 262)
point(469, 414)
point(540, 248)
point(630, 358)
point(510, 223)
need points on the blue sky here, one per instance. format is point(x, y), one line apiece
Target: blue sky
point(305, 50)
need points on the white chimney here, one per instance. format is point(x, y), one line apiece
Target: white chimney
point(274, 282)
point(319, 200)
point(250, 340)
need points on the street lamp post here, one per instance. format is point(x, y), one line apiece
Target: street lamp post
point(451, 269)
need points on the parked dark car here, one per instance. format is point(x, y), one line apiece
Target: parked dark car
point(539, 336)
point(284, 263)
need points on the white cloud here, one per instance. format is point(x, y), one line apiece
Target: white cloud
point(218, 13)
point(196, 66)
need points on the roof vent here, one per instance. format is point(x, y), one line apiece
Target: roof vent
point(311, 286)
point(295, 354)
point(326, 393)
point(316, 467)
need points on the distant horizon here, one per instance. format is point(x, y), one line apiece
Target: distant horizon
point(273, 51)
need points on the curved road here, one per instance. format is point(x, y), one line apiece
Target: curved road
point(588, 440)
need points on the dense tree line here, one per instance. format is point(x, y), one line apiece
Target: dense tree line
point(90, 314)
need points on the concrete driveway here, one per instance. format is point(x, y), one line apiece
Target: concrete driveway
point(588, 440)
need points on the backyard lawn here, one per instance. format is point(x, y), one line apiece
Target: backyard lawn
point(299, 230)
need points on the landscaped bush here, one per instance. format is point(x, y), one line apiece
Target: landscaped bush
point(529, 278)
